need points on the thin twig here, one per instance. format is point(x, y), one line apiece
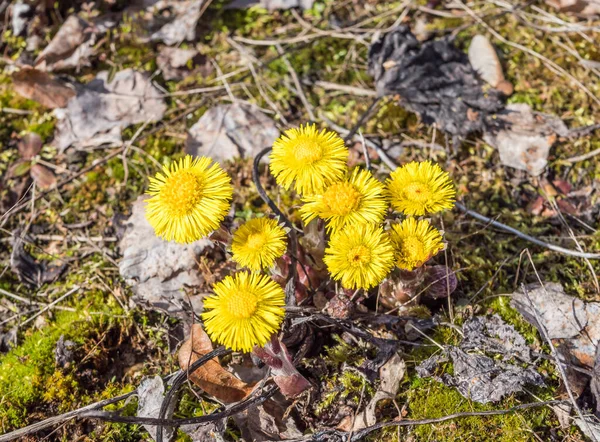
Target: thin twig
point(362, 119)
point(263, 193)
point(180, 380)
point(524, 236)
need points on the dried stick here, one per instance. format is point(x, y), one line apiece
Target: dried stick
point(524, 236)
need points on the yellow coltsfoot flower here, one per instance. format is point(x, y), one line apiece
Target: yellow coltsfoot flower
point(360, 198)
point(258, 243)
point(418, 188)
point(360, 256)
point(308, 159)
point(189, 199)
point(415, 242)
point(245, 310)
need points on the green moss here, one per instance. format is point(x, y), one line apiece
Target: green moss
point(27, 373)
point(431, 399)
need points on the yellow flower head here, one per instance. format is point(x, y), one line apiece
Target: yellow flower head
point(418, 188)
point(360, 198)
point(308, 158)
point(189, 200)
point(360, 255)
point(415, 242)
point(245, 310)
point(257, 243)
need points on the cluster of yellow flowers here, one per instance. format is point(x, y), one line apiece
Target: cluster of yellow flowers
point(190, 199)
point(354, 204)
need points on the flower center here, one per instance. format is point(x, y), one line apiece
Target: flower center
point(242, 305)
point(342, 198)
point(308, 152)
point(182, 192)
point(417, 191)
point(413, 249)
point(359, 256)
point(256, 241)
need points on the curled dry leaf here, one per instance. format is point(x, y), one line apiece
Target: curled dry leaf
point(391, 373)
point(483, 58)
point(39, 86)
point(211, 377)
point(68, 47)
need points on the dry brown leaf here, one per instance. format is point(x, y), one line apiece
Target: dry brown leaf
point(39, 86)
point(66, 43)
point(43, 176)
point(582, 8)
point(211, 377)
point(29, 146)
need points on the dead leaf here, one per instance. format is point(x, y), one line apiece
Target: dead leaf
point(573, 323)
point(173, 62)
point(211, 377)
point(151, 392)
point(21, 13)
point(158, 271)
point(523, 137)
point(477, 376)
point(29, 146)
point(582, 8)
point(43, 176)
point(102, 108)
point(183, 26)
point(484, 59)
point(70, 47)
point(230, 131)
point(391, 373)
point(29, 270)
point(269, 421)
point(39, 86)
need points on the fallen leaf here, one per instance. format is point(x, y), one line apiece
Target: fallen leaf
point(523, 137)
point(103, 107)
point(477, 376)
point(391, 373)
point(269, 421)
point(21, 13)
point(39, 86)
point(573, 323)
point(43, 176)
point(183, 26)
point(29, 270)
point(484, 59)
point(229, 131)
point(211, 431)
point(157, 270)
point(173, 62)
point(211, 377)
point(429, 78)
point(151, 392)
point(29, 146)
point(582, 8)
point(70, 47)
